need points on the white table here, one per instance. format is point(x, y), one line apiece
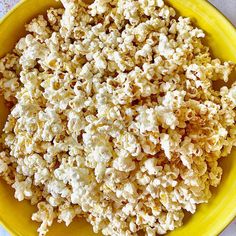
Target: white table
point(228, 7)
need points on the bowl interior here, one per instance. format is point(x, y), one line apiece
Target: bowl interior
point(210, 218)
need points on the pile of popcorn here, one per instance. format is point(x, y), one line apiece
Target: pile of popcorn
point(114, 116)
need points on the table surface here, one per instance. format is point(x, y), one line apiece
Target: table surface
point(227, 7)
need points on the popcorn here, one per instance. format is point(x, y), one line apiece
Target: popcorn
point(23, 189)
point(124, 164)
point(3, 166)
point(150, 166)
point(232, 94)
point(45, 215)
point(114, 116)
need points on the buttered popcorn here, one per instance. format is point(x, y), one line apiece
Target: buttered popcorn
point(114, 117)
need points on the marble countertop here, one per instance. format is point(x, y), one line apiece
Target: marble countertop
point(227, 7)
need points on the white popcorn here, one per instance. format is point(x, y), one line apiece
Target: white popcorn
point(164, 47)
point(100, 61)
point(232, 95)
point(67, 214)
point(45, 215)
point(125, 164)
point(100, 171)
point(3, 167)
point(151, 166)
point(23, 189)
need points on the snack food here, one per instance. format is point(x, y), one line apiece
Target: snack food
point(115, 117)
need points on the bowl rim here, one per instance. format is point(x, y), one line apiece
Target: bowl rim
point(216, 11)
point(208, 5)
point(205, 2)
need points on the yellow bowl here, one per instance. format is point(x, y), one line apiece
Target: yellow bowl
point(210, 218)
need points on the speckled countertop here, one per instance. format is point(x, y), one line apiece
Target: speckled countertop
point(227, 7)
